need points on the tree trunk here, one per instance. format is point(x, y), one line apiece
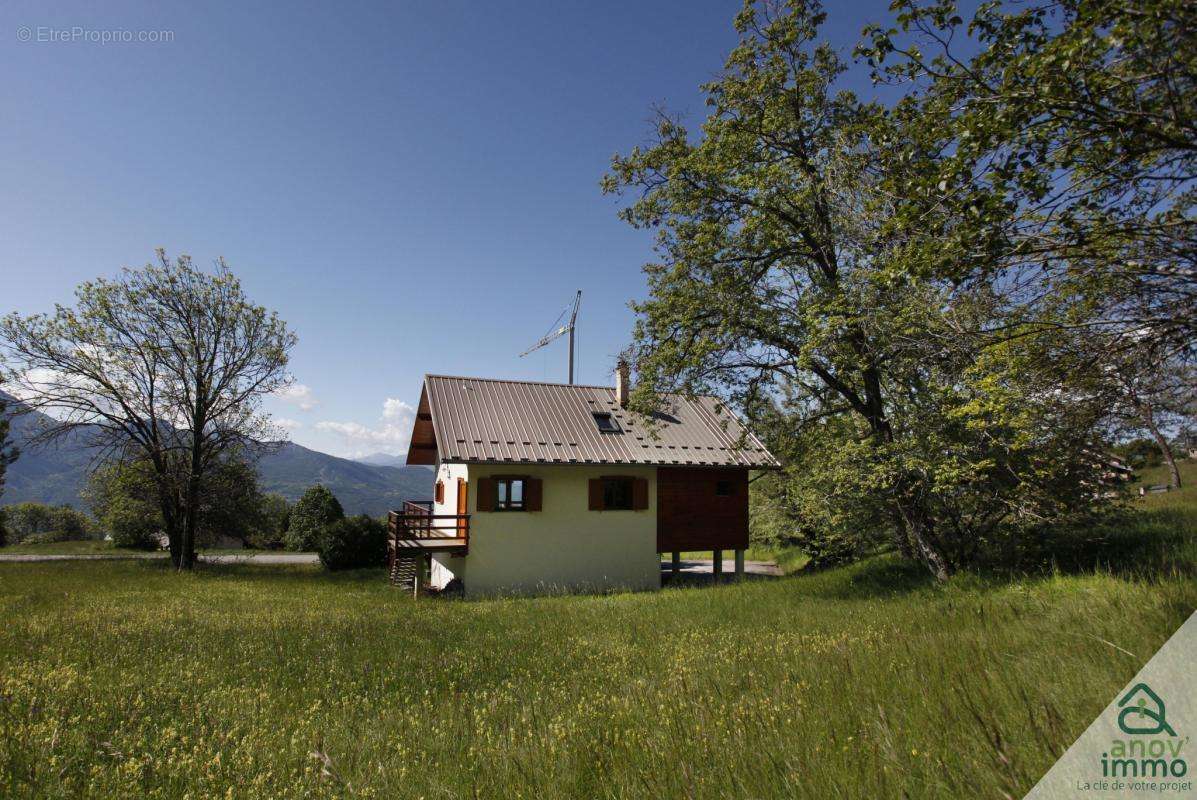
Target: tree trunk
point(190, 522)
point(929, 554)
point(1146, 412)
point(170, 521)
point(920, 535)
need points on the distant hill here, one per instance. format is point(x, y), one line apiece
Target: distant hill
point(383, 460)
point(361, 488)
point(58, 474)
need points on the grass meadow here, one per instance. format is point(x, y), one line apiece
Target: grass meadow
point(122, 679)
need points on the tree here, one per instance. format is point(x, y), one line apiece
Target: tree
point(167, 364)
point(271, 530)
point(1073, 133)
point(1151, 389)
point(8, 454)
point(353, 543)
point(315, 511)
point(38, 522)
point(797, 283)
point(123, 497)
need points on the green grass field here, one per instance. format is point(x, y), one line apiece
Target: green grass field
point(83, 547)
point(122, 679)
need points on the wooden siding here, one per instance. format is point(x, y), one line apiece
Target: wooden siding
point(691, 516)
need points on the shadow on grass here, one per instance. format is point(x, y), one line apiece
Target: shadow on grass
point(1144, 544)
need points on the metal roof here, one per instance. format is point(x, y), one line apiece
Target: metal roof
point(498, 421)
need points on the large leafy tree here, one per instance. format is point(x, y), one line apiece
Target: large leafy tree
point(795, 281)
point(314, 512)
point(1071, 128)
point(122, 495)
point(167, 364)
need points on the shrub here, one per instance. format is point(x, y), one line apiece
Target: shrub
point(48, 537)
point(131, 527)
point(353, 543)
point(315, 511)
point(270, 527)
point(47, 523)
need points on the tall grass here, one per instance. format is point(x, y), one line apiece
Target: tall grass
point(122, 679)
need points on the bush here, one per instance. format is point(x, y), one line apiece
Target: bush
point(270, 528)
point(315, 511)
point(131, 527)
point(353, 543)
point(38, 522)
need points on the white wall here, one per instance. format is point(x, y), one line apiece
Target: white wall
point(444, 566)
point(563, 547)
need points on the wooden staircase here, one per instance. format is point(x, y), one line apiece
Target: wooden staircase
point(414, 533)
point(405, 572)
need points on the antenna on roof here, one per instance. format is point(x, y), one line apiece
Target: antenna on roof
point(556, 332)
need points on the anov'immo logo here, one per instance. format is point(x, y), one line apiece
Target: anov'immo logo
point(1154, 749)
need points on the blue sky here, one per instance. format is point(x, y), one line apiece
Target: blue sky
point(412, 186)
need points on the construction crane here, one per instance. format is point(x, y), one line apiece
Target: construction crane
point(557, 331)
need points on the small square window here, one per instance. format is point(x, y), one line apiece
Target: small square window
point(617, 494)
point(723, 488)
point(605, 422)
point(509, 494)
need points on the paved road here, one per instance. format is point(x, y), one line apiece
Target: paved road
point(222, 558)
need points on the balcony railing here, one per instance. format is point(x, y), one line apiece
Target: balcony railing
point(417, 528)
point(417, 506)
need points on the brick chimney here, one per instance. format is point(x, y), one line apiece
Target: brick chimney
point(623, 382)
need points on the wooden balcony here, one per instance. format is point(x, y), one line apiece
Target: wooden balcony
point(416, 530)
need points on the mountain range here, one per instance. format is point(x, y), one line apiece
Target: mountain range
point(383, 460)
point(58, 473)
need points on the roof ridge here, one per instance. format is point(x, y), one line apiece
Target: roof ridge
point(680, 395)
point(516, 380)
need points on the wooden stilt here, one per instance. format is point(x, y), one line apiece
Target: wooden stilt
point(718, 564)
point(677, 563)
point(739, 565)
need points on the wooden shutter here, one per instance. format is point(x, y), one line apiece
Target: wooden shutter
point(486, 494)
point(533, 492)
point(596, 494)
point(639, 494)
point(440, 492)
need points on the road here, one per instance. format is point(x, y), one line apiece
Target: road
point(219, 558)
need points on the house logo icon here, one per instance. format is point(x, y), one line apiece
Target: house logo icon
point(1146, 715)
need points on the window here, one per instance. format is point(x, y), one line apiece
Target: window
point(605, 422)
point(723, 488)
point(509, 494)
point(617, 494)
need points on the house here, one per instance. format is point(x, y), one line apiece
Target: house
point(543, 487)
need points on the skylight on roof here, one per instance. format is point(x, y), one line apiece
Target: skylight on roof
point(605, 422)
